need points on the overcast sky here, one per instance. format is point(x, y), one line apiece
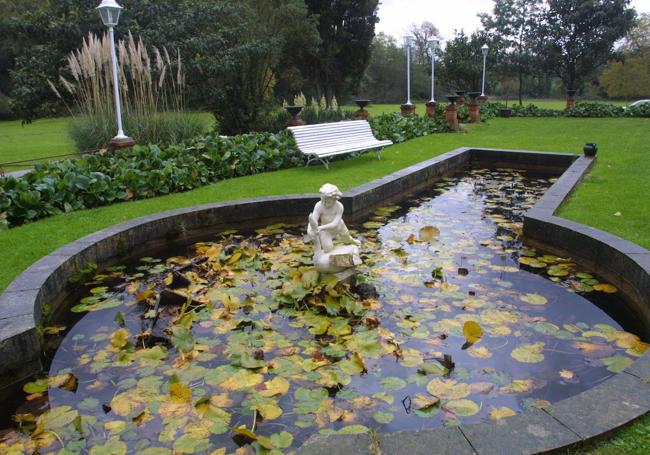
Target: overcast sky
point(396, 15)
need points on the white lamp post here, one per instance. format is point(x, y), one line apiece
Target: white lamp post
point(408, 41)
point(484, 49)
point(433, 45)
point(110, 12)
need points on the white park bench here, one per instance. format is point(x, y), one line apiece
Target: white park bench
point(325, 140)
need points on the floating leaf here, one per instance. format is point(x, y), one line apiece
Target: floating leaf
point(532, 262)
point(534, 299)
point(393, 383)
point(182, 339)
point(276, 386)
point(462, 408)
point(529, 353)
point(617, 363)
point(606, 288)
point(120, 338)
point(501, 413)
point(472, 332)
point(383, 417)
point(429, 233)
point(448, 389)
point(424, 402)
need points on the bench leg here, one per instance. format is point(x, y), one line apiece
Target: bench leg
point(325, 162)
point(378, 153)
point(309, 160)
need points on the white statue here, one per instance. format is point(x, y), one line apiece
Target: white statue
point(326, 226)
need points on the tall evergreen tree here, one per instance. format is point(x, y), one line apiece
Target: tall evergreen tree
point(346, 29)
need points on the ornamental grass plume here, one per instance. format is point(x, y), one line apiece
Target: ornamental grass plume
point(152, 91)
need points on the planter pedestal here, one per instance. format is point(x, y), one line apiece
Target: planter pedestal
point(407, 109)
point(474, 112)
point(451, 114)
point(294, 122)
point(571, 98)
point(361, 114)
point(482, 99)
point(123, 143)
point(431, 108)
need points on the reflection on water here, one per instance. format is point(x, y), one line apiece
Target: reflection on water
point(244, 353)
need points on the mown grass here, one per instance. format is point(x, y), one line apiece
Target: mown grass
point(43, 138)
point(617, 183)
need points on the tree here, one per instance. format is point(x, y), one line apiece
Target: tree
point(346, 29)
point(424, 33)
point(513, 22)
point(629, 75)
point(462, 59)
point(575, 37)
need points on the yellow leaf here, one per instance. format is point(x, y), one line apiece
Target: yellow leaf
point(566, 374)
point(269, 411)
point(180, 392)
point(480, 353)
point(429, 233)
point(120, 338)
point(276, 386)
point(606, 288)
point(501, 413)
point(245, 432)
point(423, 402)
point(448, 389)
point(144, 295)
point(534, 299)
point(472, 331)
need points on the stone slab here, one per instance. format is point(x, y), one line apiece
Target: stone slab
point(641, 368)
point(354, 444)
point(442, 441)
point(528, 433)
point(604, 408)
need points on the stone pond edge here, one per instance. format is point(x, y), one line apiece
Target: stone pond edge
point(34, 295)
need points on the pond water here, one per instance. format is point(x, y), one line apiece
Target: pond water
point(251, 346)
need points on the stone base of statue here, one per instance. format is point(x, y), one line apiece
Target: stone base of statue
point(482, 98)
point(339, 259)
point(407, 109)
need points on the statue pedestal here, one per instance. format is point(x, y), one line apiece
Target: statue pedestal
point(474, 112)
point(407, 109)
point(431, 108)
point(451, 113)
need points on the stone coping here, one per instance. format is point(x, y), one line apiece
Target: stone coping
point(41, 291)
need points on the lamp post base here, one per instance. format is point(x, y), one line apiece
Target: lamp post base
point(121, 142)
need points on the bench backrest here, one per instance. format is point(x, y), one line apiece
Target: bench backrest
point(332, 134)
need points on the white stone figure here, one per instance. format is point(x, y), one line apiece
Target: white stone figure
point(334, 248)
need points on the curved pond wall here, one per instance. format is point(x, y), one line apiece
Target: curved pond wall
point(40, 293)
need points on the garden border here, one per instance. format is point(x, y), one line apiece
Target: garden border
point(39, 292)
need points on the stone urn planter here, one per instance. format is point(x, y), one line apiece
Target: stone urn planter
point(461, 97)
point(571, 98)
point(590, 149)
point(362, 113)
point(407, 109)
point(474, 108)
point(293, 112)
point(451, 112)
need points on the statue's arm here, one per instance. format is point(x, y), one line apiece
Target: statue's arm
point(336, 221)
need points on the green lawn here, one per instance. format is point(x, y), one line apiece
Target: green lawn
point(43, 138)
point(618, 183)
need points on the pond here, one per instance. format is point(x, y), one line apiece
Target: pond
point(238, 341)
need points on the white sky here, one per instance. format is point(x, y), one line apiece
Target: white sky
point(396, 15)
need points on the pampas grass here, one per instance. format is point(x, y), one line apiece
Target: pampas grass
point(152, 91)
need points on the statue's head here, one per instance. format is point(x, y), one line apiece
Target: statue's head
point(329, 191)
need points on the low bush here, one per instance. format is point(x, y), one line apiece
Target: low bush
point(586, 109)
point(276, 121)
point(395, 127)
point(583, 109)
point(141, 172)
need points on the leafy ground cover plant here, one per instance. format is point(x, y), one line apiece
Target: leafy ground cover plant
point(398, 128)
point(582, 109)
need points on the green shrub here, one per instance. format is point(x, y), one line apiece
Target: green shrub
point(395, 127)
point(586, 109)
point(141, 172)
point(638, 111)
point(276, 121)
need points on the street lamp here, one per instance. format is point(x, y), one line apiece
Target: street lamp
point(484, 49)
point(408, 41)
point(110, 12)
point(433, 45)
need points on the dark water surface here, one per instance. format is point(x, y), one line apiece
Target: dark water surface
point(378, 364)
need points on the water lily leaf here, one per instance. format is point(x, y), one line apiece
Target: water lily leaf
point(57, 418)
point(472, 332)
point(180, 392)
point(372, 225)
point(66, 381)
point(557, 271)
point(276, 386)
point(429, 233)
point(38, 386)
point(606, 288)
point(594, 349)
point(281, 440)
point(112, 447)
point(448, 389)
point(566, 374)
point(393, 383)
point(617, 363)
point(383, 417)
point(242, 380)
point(269, 410)
point(353, 429)
point(534, 299)
point(532, 262)
point(528, 353)
point(462, 408)
point(120, 338)
point(501, 413)
point(424, 402)
point(480, 353)
point(242, 430)
point(182, 339)
point(385, 397)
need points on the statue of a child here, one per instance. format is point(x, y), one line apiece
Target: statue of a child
point(328, 216)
